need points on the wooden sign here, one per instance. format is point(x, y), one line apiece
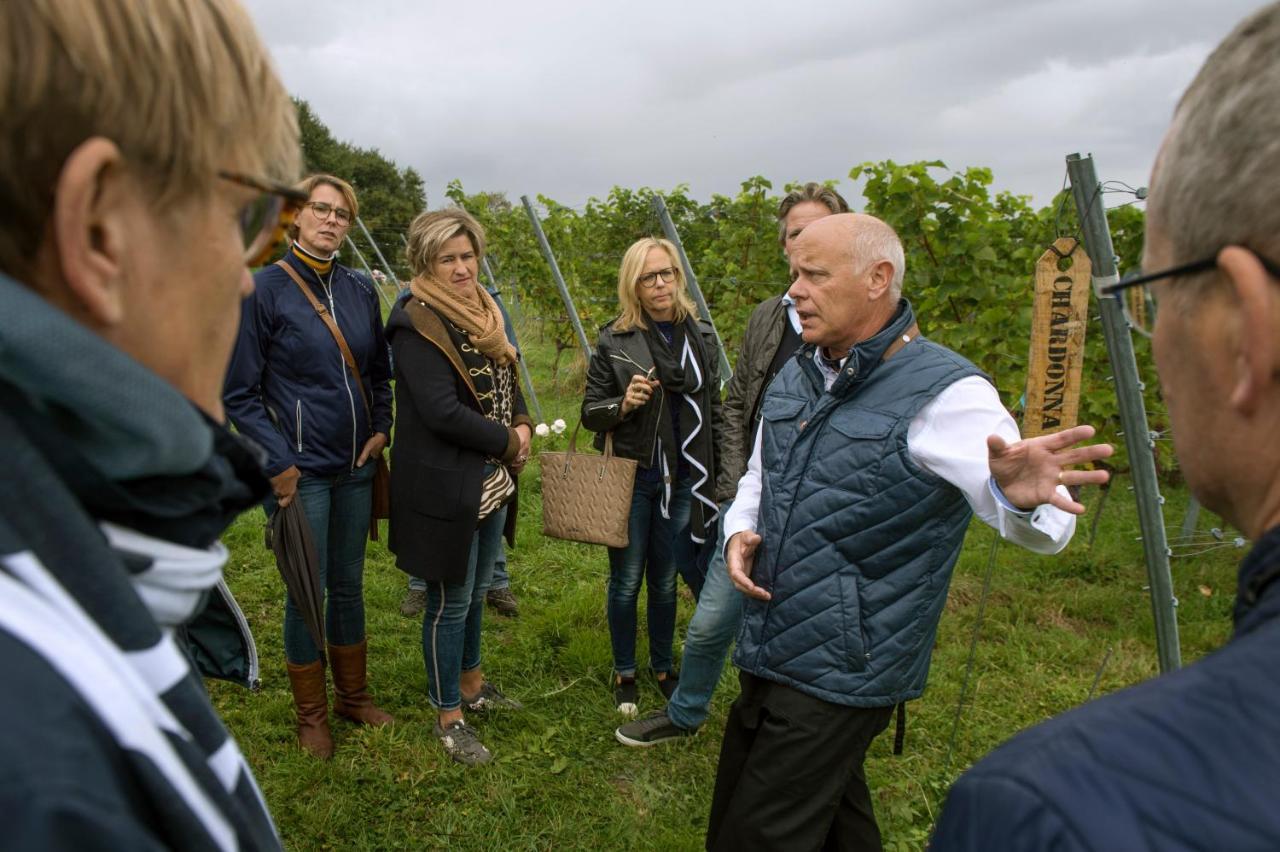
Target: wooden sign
point(1057, 339)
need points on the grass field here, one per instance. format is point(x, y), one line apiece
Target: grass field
point(559, 780)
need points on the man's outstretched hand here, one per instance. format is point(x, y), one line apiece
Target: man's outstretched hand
point(1030, 471)
point(740, 557)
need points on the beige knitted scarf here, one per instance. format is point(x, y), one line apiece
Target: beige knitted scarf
point(475, 312)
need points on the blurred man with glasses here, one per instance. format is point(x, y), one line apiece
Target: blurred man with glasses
point(142, 170)
point(1190, 760)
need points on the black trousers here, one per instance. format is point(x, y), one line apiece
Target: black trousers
point(791, 775)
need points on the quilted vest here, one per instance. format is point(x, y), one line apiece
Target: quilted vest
point(858, 542)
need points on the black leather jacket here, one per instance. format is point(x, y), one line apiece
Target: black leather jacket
point(619, 356)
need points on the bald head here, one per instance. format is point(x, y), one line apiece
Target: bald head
point(846, 273)
point(865, 240)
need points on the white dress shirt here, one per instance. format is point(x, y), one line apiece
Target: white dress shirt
point(948, 438)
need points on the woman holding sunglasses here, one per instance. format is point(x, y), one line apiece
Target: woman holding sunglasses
point(323, 425)
point(654, 382)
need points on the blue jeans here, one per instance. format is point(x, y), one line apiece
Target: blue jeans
point(501, 579)
point(337, 508)
point(451, 623)
point(650, 555)
point(715, 622)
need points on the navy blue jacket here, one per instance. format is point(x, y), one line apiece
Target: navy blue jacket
point(288, 387)
point(1189, 760)
point(858, 541)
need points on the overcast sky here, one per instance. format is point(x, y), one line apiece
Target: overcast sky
point(568, 99)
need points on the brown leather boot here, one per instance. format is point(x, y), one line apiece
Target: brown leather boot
point(351, 698)
point(311, 701)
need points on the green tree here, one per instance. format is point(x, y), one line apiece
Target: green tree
point(390, 196)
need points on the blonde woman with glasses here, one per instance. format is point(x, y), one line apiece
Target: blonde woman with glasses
point(323, 426)
point(654, 382)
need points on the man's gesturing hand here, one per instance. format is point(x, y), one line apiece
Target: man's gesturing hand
point(1029, 472)
point(740, 559)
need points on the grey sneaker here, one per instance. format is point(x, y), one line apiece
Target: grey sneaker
point(651, 730)
point(415, 601)
point(502, 602)
point(463, 743)
point(490, 698)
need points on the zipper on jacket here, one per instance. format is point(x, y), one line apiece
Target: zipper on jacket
point(605, 405)
point(251, 647)
point(657, 423)
point(346, 381)
point(298, 425)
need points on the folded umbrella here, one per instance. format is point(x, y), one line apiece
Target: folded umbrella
point(299, 567)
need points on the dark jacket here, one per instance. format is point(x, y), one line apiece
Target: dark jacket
point(608, 375)
point(288, 387)
point(759, 345)
point(1187, 761)
point(857, 541)
point(115, 491)
point(442, 441)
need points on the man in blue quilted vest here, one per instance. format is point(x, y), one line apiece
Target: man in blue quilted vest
point(1189, 760)
point(876, 447)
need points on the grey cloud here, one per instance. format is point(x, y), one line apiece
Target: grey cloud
point(568, 99)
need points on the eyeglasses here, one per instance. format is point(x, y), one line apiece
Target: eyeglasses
point(650, 279)
point(322, 211)
point(265, 221)
point(1193, 268)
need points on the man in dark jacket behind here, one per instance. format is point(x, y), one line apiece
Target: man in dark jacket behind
point(1190, 760)
point(771, 338)
point(141, 162)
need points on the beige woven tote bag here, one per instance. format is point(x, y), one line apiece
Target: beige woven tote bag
point(586, 497)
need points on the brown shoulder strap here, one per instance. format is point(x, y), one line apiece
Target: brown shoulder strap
point(327, 319)
point(901, 341)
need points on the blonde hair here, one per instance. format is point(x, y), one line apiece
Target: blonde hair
point(430, 231)
point(632, 315)
point(184, 88)
point(308, 185)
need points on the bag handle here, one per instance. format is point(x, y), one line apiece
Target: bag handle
point(332, 325)
point(573, 449)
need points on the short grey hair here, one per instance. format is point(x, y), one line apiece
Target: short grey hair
point(876, 241)
point(1214, 184)
point(811, 191)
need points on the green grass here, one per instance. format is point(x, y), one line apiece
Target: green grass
point(559, 780)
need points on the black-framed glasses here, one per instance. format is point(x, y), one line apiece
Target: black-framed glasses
point(265, 221)
point(650, 279)
point(322, 210)
point(1193, 268)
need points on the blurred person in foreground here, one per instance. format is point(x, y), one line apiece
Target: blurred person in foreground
point(141, 173)
point(771, 339)
point(323, 426)
point(876, 447)
point(1189, 760)
point(462, 438)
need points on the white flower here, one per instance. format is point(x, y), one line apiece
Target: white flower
point(558, 426)
point(541, 430)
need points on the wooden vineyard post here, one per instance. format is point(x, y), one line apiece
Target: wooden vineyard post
point(1058, 321)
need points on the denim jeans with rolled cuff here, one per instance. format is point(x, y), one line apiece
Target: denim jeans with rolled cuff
point(452, 620)
point(650, 557)
point(337, 509)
